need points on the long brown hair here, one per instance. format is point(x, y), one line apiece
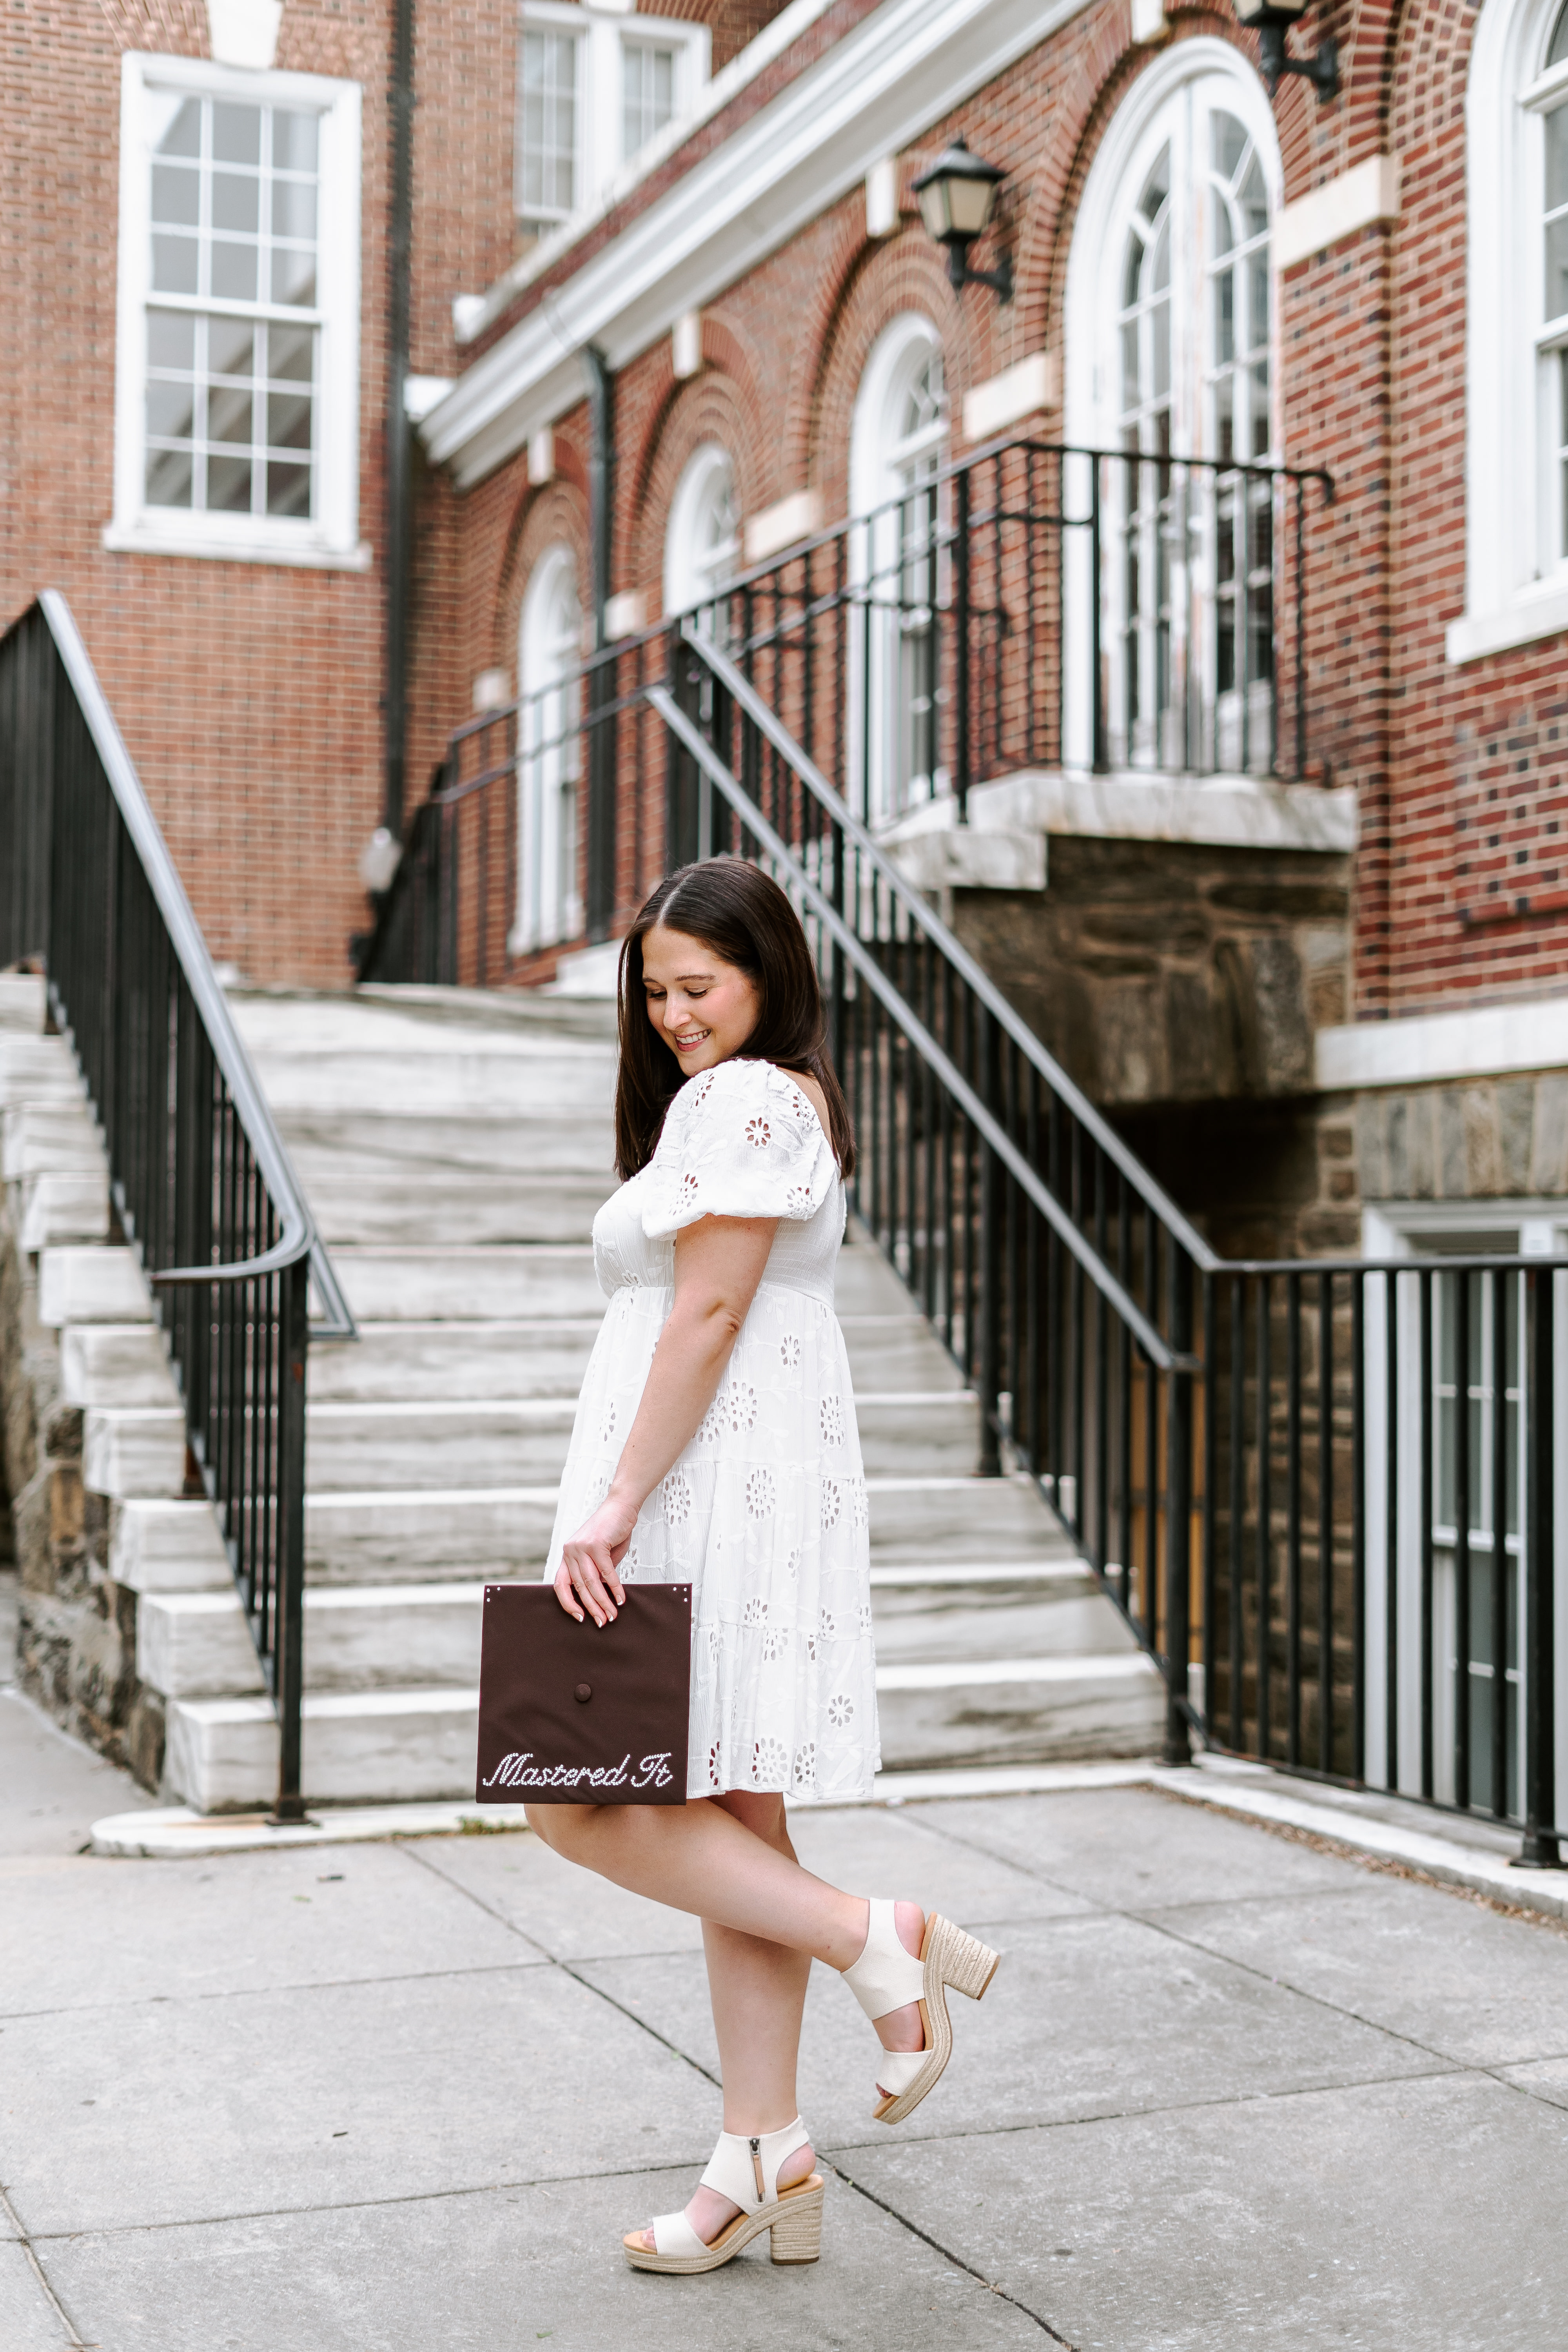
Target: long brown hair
point(742, 914)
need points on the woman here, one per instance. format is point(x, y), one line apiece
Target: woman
point(715, 1444)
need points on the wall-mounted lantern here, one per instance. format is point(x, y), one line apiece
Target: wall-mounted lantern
point(1272, 20)
point(957, 197)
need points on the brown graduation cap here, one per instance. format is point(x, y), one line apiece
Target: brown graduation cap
point(574, 1713)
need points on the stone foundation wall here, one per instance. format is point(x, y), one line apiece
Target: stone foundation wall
point(1162, 972)
point(76, 1637)
point(1489, 1139)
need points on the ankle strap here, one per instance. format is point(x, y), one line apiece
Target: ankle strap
point(885, 1977)
point(746, 2169)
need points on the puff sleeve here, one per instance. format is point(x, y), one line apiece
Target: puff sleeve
point(742, 1140)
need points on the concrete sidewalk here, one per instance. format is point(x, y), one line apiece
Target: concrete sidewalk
point(1227, 2091)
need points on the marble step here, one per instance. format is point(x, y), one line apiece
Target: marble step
point(414, 1206)
point(64, 1205)
point(37, 1070)
point(51, 1139)
point(415, 1535)
point(549, 1280)
point(412, 1017)
point(81, 1283)
point(22, 1002)
point(369, 1747)
point(195, 1643)
point(387, 1142)
point(461, 1079)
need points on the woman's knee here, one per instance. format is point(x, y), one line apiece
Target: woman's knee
point(560, 1827)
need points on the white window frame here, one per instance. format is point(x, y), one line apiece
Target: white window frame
point(601, 33)
point(883, 468)
point(330, 538)
point(1516, 574)
point(549, 899)
point(1408, 1230)
point(1093, 393)
point(695, 573)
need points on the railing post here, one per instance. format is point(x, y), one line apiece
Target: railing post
point(988, 1357)
point(293, 1293)
point(962, 775)
point(1542, 1847)
point(1100, 752)
point(1178, 1513)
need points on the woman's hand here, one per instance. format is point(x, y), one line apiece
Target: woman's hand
point(586, 1577)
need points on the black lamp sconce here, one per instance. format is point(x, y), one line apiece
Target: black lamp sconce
point(1272, 20)
point(957, 198)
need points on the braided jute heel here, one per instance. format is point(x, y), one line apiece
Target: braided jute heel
point(886, 1977)
point(746, 2172)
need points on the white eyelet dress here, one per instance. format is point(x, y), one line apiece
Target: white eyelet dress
point(765, 1513)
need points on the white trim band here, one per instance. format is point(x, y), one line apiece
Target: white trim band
point(1425, 1048)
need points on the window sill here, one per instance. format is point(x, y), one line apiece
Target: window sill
point(307, 553)
point(1535, 612)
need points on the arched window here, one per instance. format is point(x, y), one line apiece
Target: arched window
point(702, 539)
point(1517, 410)
point(550, 654)
point(1170, 350)
point(896, 449)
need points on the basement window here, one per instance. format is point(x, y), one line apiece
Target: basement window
point(595, 87)
point(238, 361)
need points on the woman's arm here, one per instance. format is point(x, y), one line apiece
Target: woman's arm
point(719, 1263)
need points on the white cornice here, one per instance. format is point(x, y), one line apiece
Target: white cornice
point(871, 94)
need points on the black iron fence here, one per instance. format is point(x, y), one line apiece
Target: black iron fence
point(1330, 1520)
point(1321, 1492)
point(199, 1179)
point(1031, 606)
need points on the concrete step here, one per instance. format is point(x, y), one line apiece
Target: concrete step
point(1053, 1611)
point(416, 1206)
point(382, 1747)
point(411, 1018)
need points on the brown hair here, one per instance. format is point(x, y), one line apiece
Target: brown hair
point(742, 914)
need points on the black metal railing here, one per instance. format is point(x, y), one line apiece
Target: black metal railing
point(199, 1179)
point(1028, 606)
point(1320, 1491)
point(1212, 1435)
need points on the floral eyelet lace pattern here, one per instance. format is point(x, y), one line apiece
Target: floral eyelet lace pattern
point(764, 1514)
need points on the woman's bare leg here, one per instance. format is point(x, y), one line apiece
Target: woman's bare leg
point(700, 1858)
point(758, 1991)
point(729, 1860)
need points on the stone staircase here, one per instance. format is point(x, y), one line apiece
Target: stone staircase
point(455, 1147)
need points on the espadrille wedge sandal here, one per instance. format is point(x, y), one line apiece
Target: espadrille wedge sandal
point(746, 2172)
point(886, 1977)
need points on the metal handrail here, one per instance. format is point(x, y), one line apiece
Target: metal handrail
point(200, 1183)
point(919, 1036)
point(300, 1236)
point(768, 723)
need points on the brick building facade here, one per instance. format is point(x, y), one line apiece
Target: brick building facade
point(744, 272)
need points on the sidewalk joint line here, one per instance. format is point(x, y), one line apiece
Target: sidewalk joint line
point(859, 2188)
point(76, 2341)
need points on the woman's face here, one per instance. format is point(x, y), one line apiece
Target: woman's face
point(703, 1008)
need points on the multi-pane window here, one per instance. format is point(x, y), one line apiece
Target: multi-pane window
point(647, 94)
point(594, 87)
point(232, 326)
point(1554, 343)
point(548, 116)
point(1186, 342)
